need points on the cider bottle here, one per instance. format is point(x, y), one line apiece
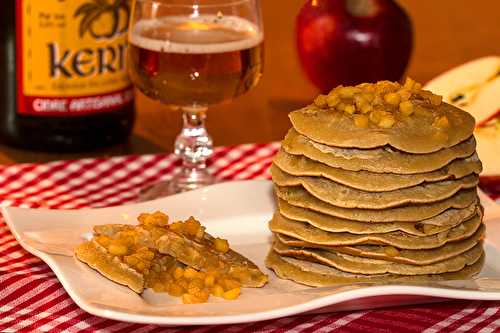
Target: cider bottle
point(65, 85)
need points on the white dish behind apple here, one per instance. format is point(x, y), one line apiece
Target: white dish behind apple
point(239, 212)
point(475, 87)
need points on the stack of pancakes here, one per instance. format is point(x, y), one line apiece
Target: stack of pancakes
point(375, 183)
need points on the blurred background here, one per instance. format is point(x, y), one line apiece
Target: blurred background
point(446, 33)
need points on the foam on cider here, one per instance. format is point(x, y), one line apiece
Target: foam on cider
point(200, 35)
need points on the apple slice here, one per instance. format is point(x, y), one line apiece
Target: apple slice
point(486, 105)
point(473, 86)
point(478, 82)
point(488, 139)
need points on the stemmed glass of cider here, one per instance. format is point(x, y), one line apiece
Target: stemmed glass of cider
point(191, 55)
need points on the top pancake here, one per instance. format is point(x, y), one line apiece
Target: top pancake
point(415, 134)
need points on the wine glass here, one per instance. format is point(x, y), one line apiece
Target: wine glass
point(190, 55)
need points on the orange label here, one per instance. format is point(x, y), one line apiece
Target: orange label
point(73, 55)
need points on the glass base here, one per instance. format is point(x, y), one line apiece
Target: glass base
point(185, 180)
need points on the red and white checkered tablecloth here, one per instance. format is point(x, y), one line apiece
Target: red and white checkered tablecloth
point(33, 300)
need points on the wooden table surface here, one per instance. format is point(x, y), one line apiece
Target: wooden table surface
point(447, 33)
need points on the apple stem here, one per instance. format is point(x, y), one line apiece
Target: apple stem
point(361, 8)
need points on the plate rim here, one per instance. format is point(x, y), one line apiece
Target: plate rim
point(304, 307)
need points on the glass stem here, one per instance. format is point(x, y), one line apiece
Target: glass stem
point(194, 146)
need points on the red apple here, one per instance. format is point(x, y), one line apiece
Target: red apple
point(353, 41)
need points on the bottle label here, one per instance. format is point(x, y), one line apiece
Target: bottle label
point(71, 56)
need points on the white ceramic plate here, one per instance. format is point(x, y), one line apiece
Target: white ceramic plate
point(238, 211)
point(478, 84)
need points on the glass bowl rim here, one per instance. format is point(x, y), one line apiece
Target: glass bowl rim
point(223, 3)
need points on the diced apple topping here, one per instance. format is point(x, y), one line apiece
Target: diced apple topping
point(158, 219)
point(391, 251)
point(351, 109)
point(134, 247)
point(194, 286)
point(117, 249)
point(386, 121)
point(433, 99)
point(361, 121)
point(406, 108)
point(396, 100)
point(441, 122)
point(348, 92)
point(221, 245)
point(332, 100)
point(232, 294)
point(321, 101)
point(392, 98)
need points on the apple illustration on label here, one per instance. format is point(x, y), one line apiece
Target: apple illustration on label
point(353, 41)
point(475, 87)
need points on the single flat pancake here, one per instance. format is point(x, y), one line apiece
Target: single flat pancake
point(413, 134)
point(434, 225)
point(108, 265)
point(390, 253)
point(317, 275)
point(379, 160)
point(299, 197)
point(307, 233)
point(360, 265)
point(344, 196)
point(140, 245)
point(299, 165)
